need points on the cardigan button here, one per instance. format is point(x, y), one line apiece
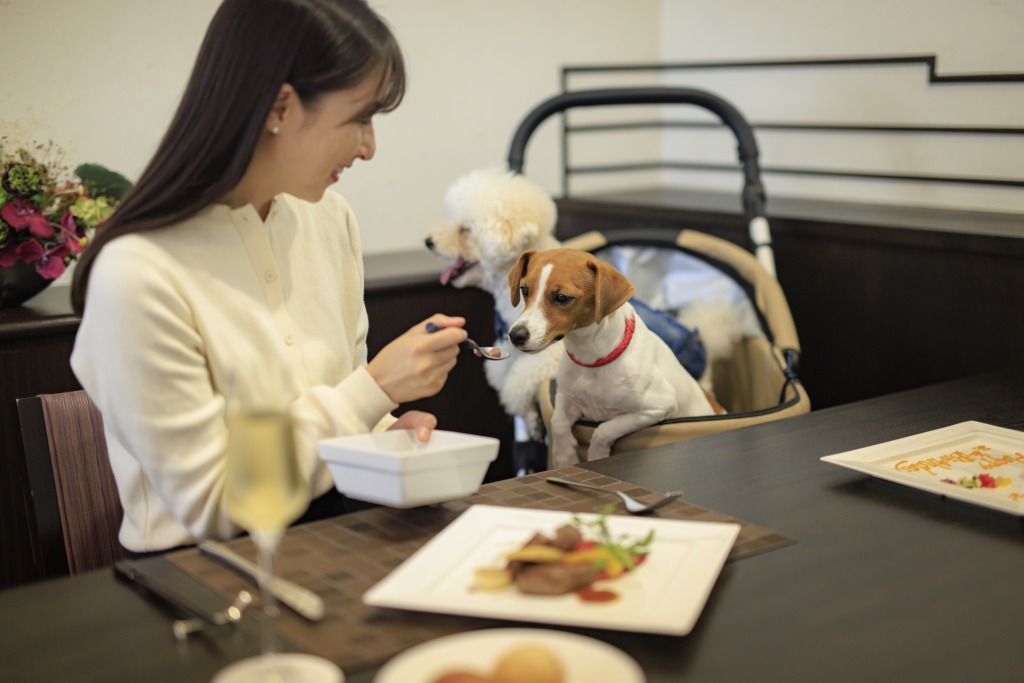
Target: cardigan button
point(289, 340)
point(270, 275)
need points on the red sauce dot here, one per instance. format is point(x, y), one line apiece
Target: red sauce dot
point(594, 595)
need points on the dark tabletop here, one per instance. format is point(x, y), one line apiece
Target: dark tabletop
point(884, 583)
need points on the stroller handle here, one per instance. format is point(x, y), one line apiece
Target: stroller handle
point(753, 190)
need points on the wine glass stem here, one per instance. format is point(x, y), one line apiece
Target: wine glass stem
point(267, 546)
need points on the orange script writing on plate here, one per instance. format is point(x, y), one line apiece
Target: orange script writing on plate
point(979, 455)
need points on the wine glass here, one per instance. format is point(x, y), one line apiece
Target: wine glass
point(264, 493)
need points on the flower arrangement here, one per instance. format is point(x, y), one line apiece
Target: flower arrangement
point(46, 212)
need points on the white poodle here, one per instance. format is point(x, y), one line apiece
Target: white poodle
point(494, 216)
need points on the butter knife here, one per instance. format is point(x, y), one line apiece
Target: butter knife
point(304, 601)
point(153, 582)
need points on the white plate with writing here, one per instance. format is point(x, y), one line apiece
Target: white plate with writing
point(971, 461)
point(665, 594)
point(583, 659)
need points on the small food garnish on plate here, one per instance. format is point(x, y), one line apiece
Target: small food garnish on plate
point(536, 553)
point(611, 565)
point(590, 594)
point(491, 578)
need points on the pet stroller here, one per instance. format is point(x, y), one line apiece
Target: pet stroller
point(677, 271)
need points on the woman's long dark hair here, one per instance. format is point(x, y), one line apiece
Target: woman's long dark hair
point(251, 49)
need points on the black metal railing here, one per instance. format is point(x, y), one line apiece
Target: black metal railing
point(559, 104)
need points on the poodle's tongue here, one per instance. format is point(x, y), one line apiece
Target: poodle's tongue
point(451, 270)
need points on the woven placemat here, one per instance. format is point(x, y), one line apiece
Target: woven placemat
point(342, 557)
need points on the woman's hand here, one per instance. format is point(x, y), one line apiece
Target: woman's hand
point(416, 365)
point(423, 424)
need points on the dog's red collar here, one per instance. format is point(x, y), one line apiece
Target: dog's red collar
point(626, 338)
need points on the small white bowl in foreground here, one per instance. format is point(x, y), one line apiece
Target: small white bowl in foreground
point(393, 468)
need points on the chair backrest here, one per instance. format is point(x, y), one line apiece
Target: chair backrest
point(78, 512)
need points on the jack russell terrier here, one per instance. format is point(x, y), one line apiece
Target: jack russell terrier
point(614, 370)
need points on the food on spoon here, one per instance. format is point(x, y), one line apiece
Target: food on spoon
point(526, 663)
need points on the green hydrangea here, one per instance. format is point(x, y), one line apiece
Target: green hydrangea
point(24, 180)
point(91, 212)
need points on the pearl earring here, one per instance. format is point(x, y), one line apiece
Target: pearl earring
point(275, 130)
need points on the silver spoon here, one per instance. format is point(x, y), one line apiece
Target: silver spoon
point(633, 506)
point(485, 352)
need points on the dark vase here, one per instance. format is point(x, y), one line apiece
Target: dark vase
point(19, 283)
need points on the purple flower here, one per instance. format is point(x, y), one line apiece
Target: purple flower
point(72, 233)
point(9, 256)
point(30, 251)
point(51, 264)
point(20, 216)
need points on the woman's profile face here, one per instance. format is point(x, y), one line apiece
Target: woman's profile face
point(325, 139)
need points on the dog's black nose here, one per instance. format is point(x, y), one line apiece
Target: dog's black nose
point(519, 335)
point(430, 243)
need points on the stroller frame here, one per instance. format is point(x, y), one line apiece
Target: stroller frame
point(759, 381)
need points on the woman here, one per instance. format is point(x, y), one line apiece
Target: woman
point(229, 278)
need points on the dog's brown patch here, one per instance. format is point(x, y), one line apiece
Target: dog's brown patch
point(580, 291)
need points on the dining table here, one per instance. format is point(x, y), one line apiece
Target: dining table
point(836, 576)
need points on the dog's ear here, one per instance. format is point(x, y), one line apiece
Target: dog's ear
point(611, 288)
point(516, 274)
point(503, 234)
point(524, 234)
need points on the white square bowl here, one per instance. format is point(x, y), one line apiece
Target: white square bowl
point(393, 468)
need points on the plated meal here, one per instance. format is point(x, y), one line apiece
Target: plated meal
point(971, 461)
point(669, 569)
point(568, 562)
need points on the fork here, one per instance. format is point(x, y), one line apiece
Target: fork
point(633, 506)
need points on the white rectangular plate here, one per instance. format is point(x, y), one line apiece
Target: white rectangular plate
point(972, 461)
point(665, 594)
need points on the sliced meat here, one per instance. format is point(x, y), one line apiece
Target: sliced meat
point(538, 539)
point(554, 579)
point(566, 538)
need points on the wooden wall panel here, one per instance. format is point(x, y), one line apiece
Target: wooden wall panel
point(878, 307)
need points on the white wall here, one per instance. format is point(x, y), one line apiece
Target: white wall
point(102, 77)
point(966, 37)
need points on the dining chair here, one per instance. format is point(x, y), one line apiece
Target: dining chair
point(74, 497)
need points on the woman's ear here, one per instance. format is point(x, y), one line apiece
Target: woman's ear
point(283, 109)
